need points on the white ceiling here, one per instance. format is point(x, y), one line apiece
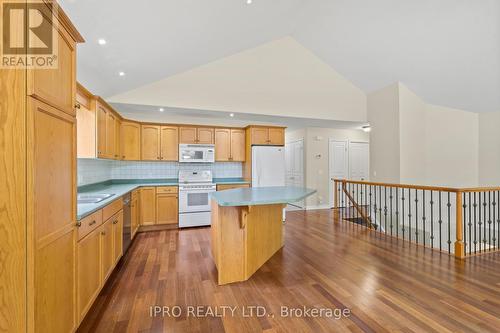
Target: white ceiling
point(446, 51)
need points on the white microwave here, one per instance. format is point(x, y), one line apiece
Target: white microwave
point(196, 153)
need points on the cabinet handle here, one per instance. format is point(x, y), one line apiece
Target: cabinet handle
point(115, 221)
point(78, 224)
point(103, 233)
point(92, 223)
point(123, 156)
point(77, 106)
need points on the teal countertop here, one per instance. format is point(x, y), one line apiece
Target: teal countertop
point(261, 195)
point(120, 187)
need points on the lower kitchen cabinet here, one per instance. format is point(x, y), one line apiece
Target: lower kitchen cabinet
point(107, 253)
point(117, 236)
point(89, 272)
point(148, 205)
point(134, 213)
point(167, 211)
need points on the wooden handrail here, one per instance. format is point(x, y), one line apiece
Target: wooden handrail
point(423, 187)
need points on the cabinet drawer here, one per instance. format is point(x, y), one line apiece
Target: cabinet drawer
point(112, 209)
point(89, 223)
point(166, 189)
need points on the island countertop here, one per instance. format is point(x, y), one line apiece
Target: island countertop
point(254, 196)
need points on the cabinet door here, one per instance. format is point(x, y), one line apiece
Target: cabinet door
point(222, 144)
point(276, 136)
point(150, 147)
point(86, 131)
point(260, 135)
point(205, 135)
point(118, 125)
point(101, 131)
point(107, 253)
point(148, 205)
point(57, 87)
point(167, 208)
point(187, 135)
point(130, 141)
point(117, 236)
point(89, 277)
point(237, 145)
point(51, 224)
point(110, 134)
point(134, 217)
point(169, 143)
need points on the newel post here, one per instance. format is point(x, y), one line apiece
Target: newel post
point(459, 243)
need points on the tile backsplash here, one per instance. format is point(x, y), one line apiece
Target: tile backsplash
point(94, 170)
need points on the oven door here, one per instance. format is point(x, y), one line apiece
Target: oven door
point(191, 201)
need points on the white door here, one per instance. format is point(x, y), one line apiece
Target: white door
point(359, 161)
point(338, 163)
point(294, 152)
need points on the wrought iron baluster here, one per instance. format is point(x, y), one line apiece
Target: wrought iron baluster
point(423, 215)
point(375, 205)
point(416, 216)
point(498, 218)
point(403, 211)
point(440, 221)
point(489, 219)
point(385, 209)
point(495, 198)
point(470, 222)
point(432, 221)
point(397, 212)
point(390, 203)
point(380, 207)
point(480, 223)
point(464, 217)
point(409, 215)
point(449, 223)
point(475, 223)
point(370, 206)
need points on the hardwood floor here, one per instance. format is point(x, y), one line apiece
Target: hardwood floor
point(388, 285)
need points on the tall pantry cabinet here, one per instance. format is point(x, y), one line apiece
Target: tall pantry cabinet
point(38, 178)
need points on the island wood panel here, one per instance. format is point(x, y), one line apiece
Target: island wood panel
point(169, 143)
point(130, 141)
point(150, 142)
point(222, 187)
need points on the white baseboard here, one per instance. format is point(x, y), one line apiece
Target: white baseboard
point(315, 207)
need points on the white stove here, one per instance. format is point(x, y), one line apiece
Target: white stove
point(194, 198)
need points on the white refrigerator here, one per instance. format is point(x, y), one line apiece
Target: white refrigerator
point(268, 167)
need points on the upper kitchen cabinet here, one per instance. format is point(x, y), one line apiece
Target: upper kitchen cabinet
point(57, 87)
point(193, 135)
point(160, 143)
point(260, 135)
point(99, 127)
point(130, 143)
point(229, 145)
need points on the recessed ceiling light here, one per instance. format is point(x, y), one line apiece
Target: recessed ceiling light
point(231, 115)
point(121, 73)
point(101, 41)
point(161, 109)
point(249, 2)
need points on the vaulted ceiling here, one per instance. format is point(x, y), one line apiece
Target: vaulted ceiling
point(446, 51)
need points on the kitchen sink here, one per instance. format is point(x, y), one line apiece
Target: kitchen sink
point(92, 198)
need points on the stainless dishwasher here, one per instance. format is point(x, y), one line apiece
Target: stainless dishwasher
point(127, 229)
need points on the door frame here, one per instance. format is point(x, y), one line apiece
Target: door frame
point(330, 167)
point(303, 167)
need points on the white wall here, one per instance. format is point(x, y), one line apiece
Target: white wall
point(489, 149)
point(383, 116)
point(413, 142)
point(452, 147)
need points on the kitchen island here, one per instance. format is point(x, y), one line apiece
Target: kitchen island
point(247, 228)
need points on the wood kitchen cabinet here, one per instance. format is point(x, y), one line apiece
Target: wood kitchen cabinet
point(229, 145)
point(159, 143)
point(223, 187)
point(148, 205)
point(130, 143)
point(195, 135)
point(102, 116)
point(267, 135)
point(86, 123)
point(110, 135)
point(134, 213)
point(117, 229)
point(107, 253)
point(167, 211)
point(88, 272)
point(118, 126)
